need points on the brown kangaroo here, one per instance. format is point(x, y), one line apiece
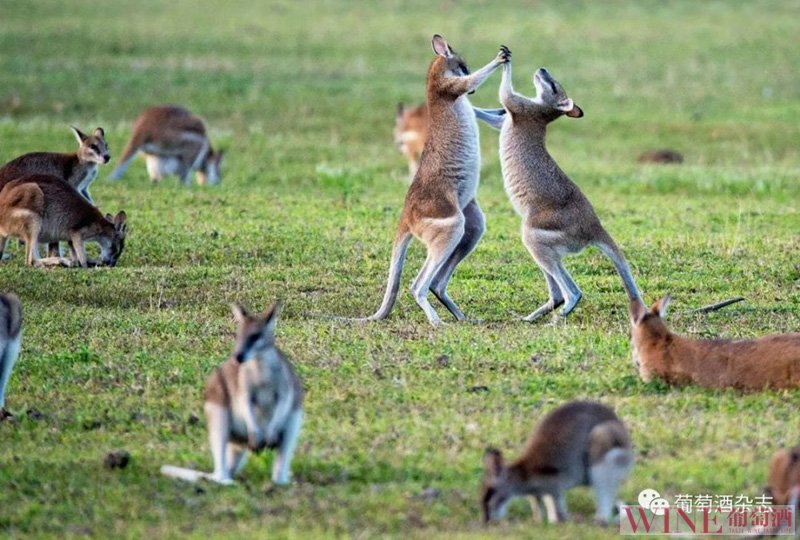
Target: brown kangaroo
point(440, 206)
point(748, 364)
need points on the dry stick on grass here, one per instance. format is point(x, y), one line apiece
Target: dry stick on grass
point(717, 306)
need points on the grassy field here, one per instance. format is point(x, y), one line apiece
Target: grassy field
point(302, 97)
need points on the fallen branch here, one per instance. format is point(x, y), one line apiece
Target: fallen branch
point(717, 306)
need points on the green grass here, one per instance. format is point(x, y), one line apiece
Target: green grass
point(302, 96)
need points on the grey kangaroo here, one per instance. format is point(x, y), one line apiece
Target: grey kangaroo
point(557, 218)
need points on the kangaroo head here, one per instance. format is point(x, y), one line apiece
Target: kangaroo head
point(93, 148)
point(209, 171)
point(111, 248)
point(552, 98)
point(254, 333)
point(454, 64)
point(496, 490)
point(647, 326)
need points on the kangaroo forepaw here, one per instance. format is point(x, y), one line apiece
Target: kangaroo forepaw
point(504, 55)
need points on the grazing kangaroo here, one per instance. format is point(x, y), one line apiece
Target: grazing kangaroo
point(79, 169)
point(748, 364)
point(580, 443)
point(557, 219)
point(43, 208)
point(410, 133)
point(253, 400)
point(784, 477)
point(440, 206)
point(174, 141)
point(10, 340)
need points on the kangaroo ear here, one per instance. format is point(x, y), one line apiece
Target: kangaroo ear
point(98, 132)
point(441, 47)
point(637, 310)
point(660, 307)
point(110, 218)
point(239, 313)
point(271, 316)
point(493, 461)
point(80, 135)
point(575, 112)
point(121, 221)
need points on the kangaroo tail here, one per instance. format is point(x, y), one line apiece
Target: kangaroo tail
point(401, 242)
point(125, 159)
point(189, 475)
point(611, 250)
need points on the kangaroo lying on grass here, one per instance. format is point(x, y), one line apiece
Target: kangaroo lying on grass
point(557, 219)
point(748, 364)
point(10, 340)
point(580, 443)
point(253, 400)
point(44, 208)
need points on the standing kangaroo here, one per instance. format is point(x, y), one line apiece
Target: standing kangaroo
point(10, 340)
point(253, 400)
point(79, 169)
point(580, 443)
point(43, 208)
point(748, 364)
point(174, 141)
point(440, 206)
point(557, 219)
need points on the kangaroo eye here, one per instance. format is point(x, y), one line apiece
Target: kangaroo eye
point(94, 147)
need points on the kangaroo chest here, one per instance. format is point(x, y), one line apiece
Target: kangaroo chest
point(467, 156)
point(531, 178)
point(260, 390)
point(82, 176)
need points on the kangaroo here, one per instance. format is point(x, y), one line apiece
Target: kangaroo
point(174, 141)
point(747, 364)
point(580, 443)
point(43, 208)
point(557, 219)
point(10, 340)
point(410, 133)
point(253, 400)
point(441, 208)
point(784, 477)
point(79, 169)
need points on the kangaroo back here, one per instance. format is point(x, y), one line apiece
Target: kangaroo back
point(78, 169)
point(748, 364)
